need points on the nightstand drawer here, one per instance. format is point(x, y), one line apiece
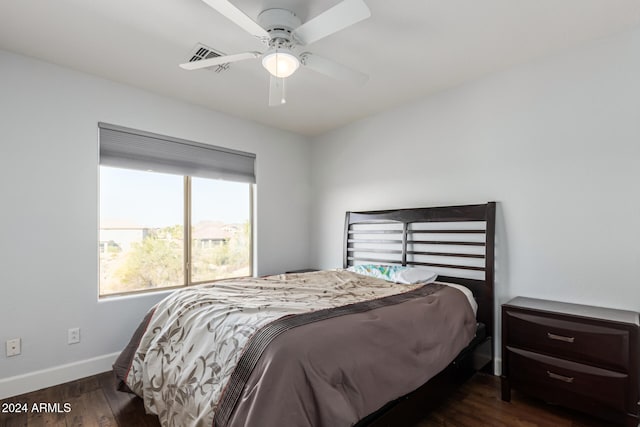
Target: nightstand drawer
point(584, 342)
point(564, 382)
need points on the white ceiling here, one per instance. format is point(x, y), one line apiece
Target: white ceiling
point(410, 48)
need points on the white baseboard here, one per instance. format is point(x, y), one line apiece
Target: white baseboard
point(26, 383)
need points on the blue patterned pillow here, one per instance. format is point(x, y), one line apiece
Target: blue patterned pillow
point(395, 273)
point(386, 272)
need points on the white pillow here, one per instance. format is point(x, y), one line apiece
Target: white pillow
point(413, 275)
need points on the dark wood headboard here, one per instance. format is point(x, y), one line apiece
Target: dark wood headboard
point(458, 242)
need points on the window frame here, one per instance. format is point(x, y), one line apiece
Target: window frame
point(187, 242)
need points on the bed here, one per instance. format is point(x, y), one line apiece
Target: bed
point(327, 348)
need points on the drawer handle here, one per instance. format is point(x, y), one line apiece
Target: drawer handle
point(560, 377)
point(559, 337)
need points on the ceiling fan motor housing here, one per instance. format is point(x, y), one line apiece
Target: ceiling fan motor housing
point(279, 23)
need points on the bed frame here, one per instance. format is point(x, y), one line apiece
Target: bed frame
point(458, 242)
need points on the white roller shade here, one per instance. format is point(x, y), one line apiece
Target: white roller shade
point(134, 149)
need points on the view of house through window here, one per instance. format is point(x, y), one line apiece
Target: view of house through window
point(148, 229)
point(220, 229)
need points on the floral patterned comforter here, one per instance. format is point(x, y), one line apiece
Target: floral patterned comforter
point(196, 336)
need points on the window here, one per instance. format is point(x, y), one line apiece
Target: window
point(160, 228)
point(220, 229)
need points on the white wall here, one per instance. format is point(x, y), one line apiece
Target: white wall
point(49, 211)
point(555, 142)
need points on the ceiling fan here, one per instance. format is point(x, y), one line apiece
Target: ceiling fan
point(282, 31)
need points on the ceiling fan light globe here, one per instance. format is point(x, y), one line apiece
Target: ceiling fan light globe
point(280, 63)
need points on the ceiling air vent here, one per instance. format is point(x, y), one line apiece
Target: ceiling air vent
point(204, 52)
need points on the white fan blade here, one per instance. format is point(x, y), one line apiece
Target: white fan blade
point(218, 60)
point(333, 69)
point(238, 17)
point(340, 16)
point(276, 92)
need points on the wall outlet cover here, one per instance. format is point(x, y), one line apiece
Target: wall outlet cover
point(13, 347)
point(73, 336)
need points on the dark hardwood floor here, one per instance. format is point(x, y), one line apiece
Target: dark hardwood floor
point(478, 403)
point(94, 401)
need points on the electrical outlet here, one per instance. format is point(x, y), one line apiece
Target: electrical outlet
point(73, 336)
point(13, 347)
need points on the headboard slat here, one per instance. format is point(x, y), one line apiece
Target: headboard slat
point(374, 241)
point(377, 231)
point(446, 242)
point(382, 251)
point(432, 264)
point(448, 254)
point(449, 231)
point(378, 260)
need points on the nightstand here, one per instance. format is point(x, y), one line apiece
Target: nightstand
point(577, 356)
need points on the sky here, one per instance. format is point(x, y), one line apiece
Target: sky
point(152, 199)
